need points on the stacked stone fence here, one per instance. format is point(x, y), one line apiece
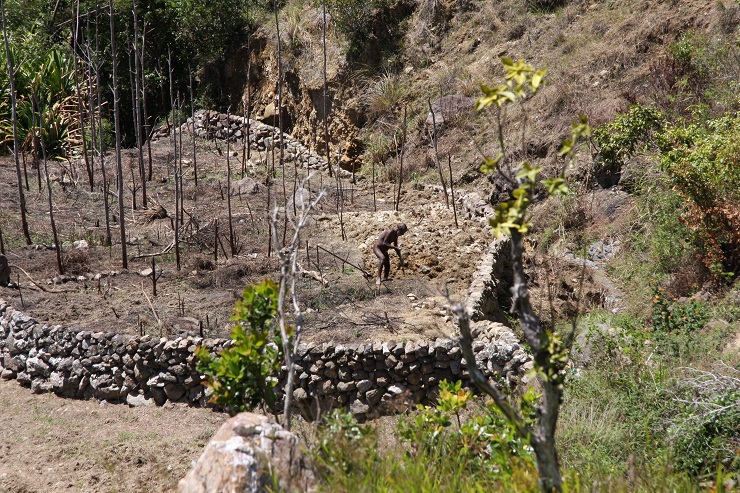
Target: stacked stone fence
point(368, 378)
point(262, 138)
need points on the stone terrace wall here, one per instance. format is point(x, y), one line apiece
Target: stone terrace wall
point(262, 137)
point(368, 378)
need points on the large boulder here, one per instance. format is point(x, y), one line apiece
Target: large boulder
point(245, 454)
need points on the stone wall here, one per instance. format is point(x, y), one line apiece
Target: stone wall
point(368, 378)
point(262, 138)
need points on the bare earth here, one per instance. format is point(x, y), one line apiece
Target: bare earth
point(65, 445)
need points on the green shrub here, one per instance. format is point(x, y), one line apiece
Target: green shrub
point(709, 435)
point(244, 375)
point(482, 444)
point(701, 161)
point(619, 140)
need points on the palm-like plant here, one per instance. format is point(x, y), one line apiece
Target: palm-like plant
point(50, 81)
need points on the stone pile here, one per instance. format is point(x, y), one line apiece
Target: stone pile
point(367, 377)
point(262, 137)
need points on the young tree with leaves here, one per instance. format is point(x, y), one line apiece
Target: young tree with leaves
point(535, 421)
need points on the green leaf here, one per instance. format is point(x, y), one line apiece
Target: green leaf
point(537, 79)
point(555, 186)
point(489, 165)
point(528, 172)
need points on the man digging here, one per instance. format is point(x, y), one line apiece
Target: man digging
point(387, 240)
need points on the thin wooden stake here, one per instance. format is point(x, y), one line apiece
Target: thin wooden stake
point(452, 190)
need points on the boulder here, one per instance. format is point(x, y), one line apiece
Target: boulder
point(245, 454)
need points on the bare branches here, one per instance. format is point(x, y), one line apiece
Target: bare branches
point(288, 257)
point(480, 381)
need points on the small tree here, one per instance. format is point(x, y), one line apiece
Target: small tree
point(244, 375)
point(550, 349)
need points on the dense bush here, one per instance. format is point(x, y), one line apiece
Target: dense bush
point(458, 445)
point(701, 159)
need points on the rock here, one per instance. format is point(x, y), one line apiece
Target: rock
point(373, 396)
point(250, 454)
point(80, 244)
point(358, 408)
point(138, 400)
point(36, 366)
point(245, 186)
point(174, 391)
point(364, 385)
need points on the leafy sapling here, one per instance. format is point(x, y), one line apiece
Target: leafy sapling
point(535, 421)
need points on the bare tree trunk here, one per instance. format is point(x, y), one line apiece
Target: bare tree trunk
point(90, 100)
point(280, 110)
point(400, 159)
point(101, 149)
point(25, 169)
point(543, 436)
point(11, 77)
point(326, 93)
point(136, 123)
point(174, 162)
point(248, 109)
point(57, 246)
point(288, 257)
point(117, 118)
point(436, 154)
point(452, 190)
point(232, 243)
point(147, 125)
point(80, 114)
point(179, 158)
point(192, 117)
point(137, 107)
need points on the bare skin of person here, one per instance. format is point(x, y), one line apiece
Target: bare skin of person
point(386, 241)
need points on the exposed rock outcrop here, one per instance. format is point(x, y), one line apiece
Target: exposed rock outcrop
point(249, 454)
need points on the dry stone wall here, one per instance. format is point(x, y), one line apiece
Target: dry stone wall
point(368, 378)
point(262, 137)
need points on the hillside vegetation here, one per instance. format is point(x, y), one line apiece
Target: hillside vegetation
point(651, 388)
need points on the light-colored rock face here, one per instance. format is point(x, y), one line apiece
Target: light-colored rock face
point(250, 454)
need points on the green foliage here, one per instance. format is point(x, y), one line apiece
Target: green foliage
point(708, 436)
point(484, 444)
point(456, 446)
point(46, 104)
point(687, 317)
point(619, 140)
point(210, 26)
point(701, 160)
point(243, 375)
point(372, 28)
point(522, 82)
point(637, 397)
point(345, 447)
point(703, 62)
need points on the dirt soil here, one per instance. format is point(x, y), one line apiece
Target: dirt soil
point(96, 293)
point(57, 444)
point(66, 445)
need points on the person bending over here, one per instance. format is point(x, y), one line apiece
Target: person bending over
point(386, 241)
